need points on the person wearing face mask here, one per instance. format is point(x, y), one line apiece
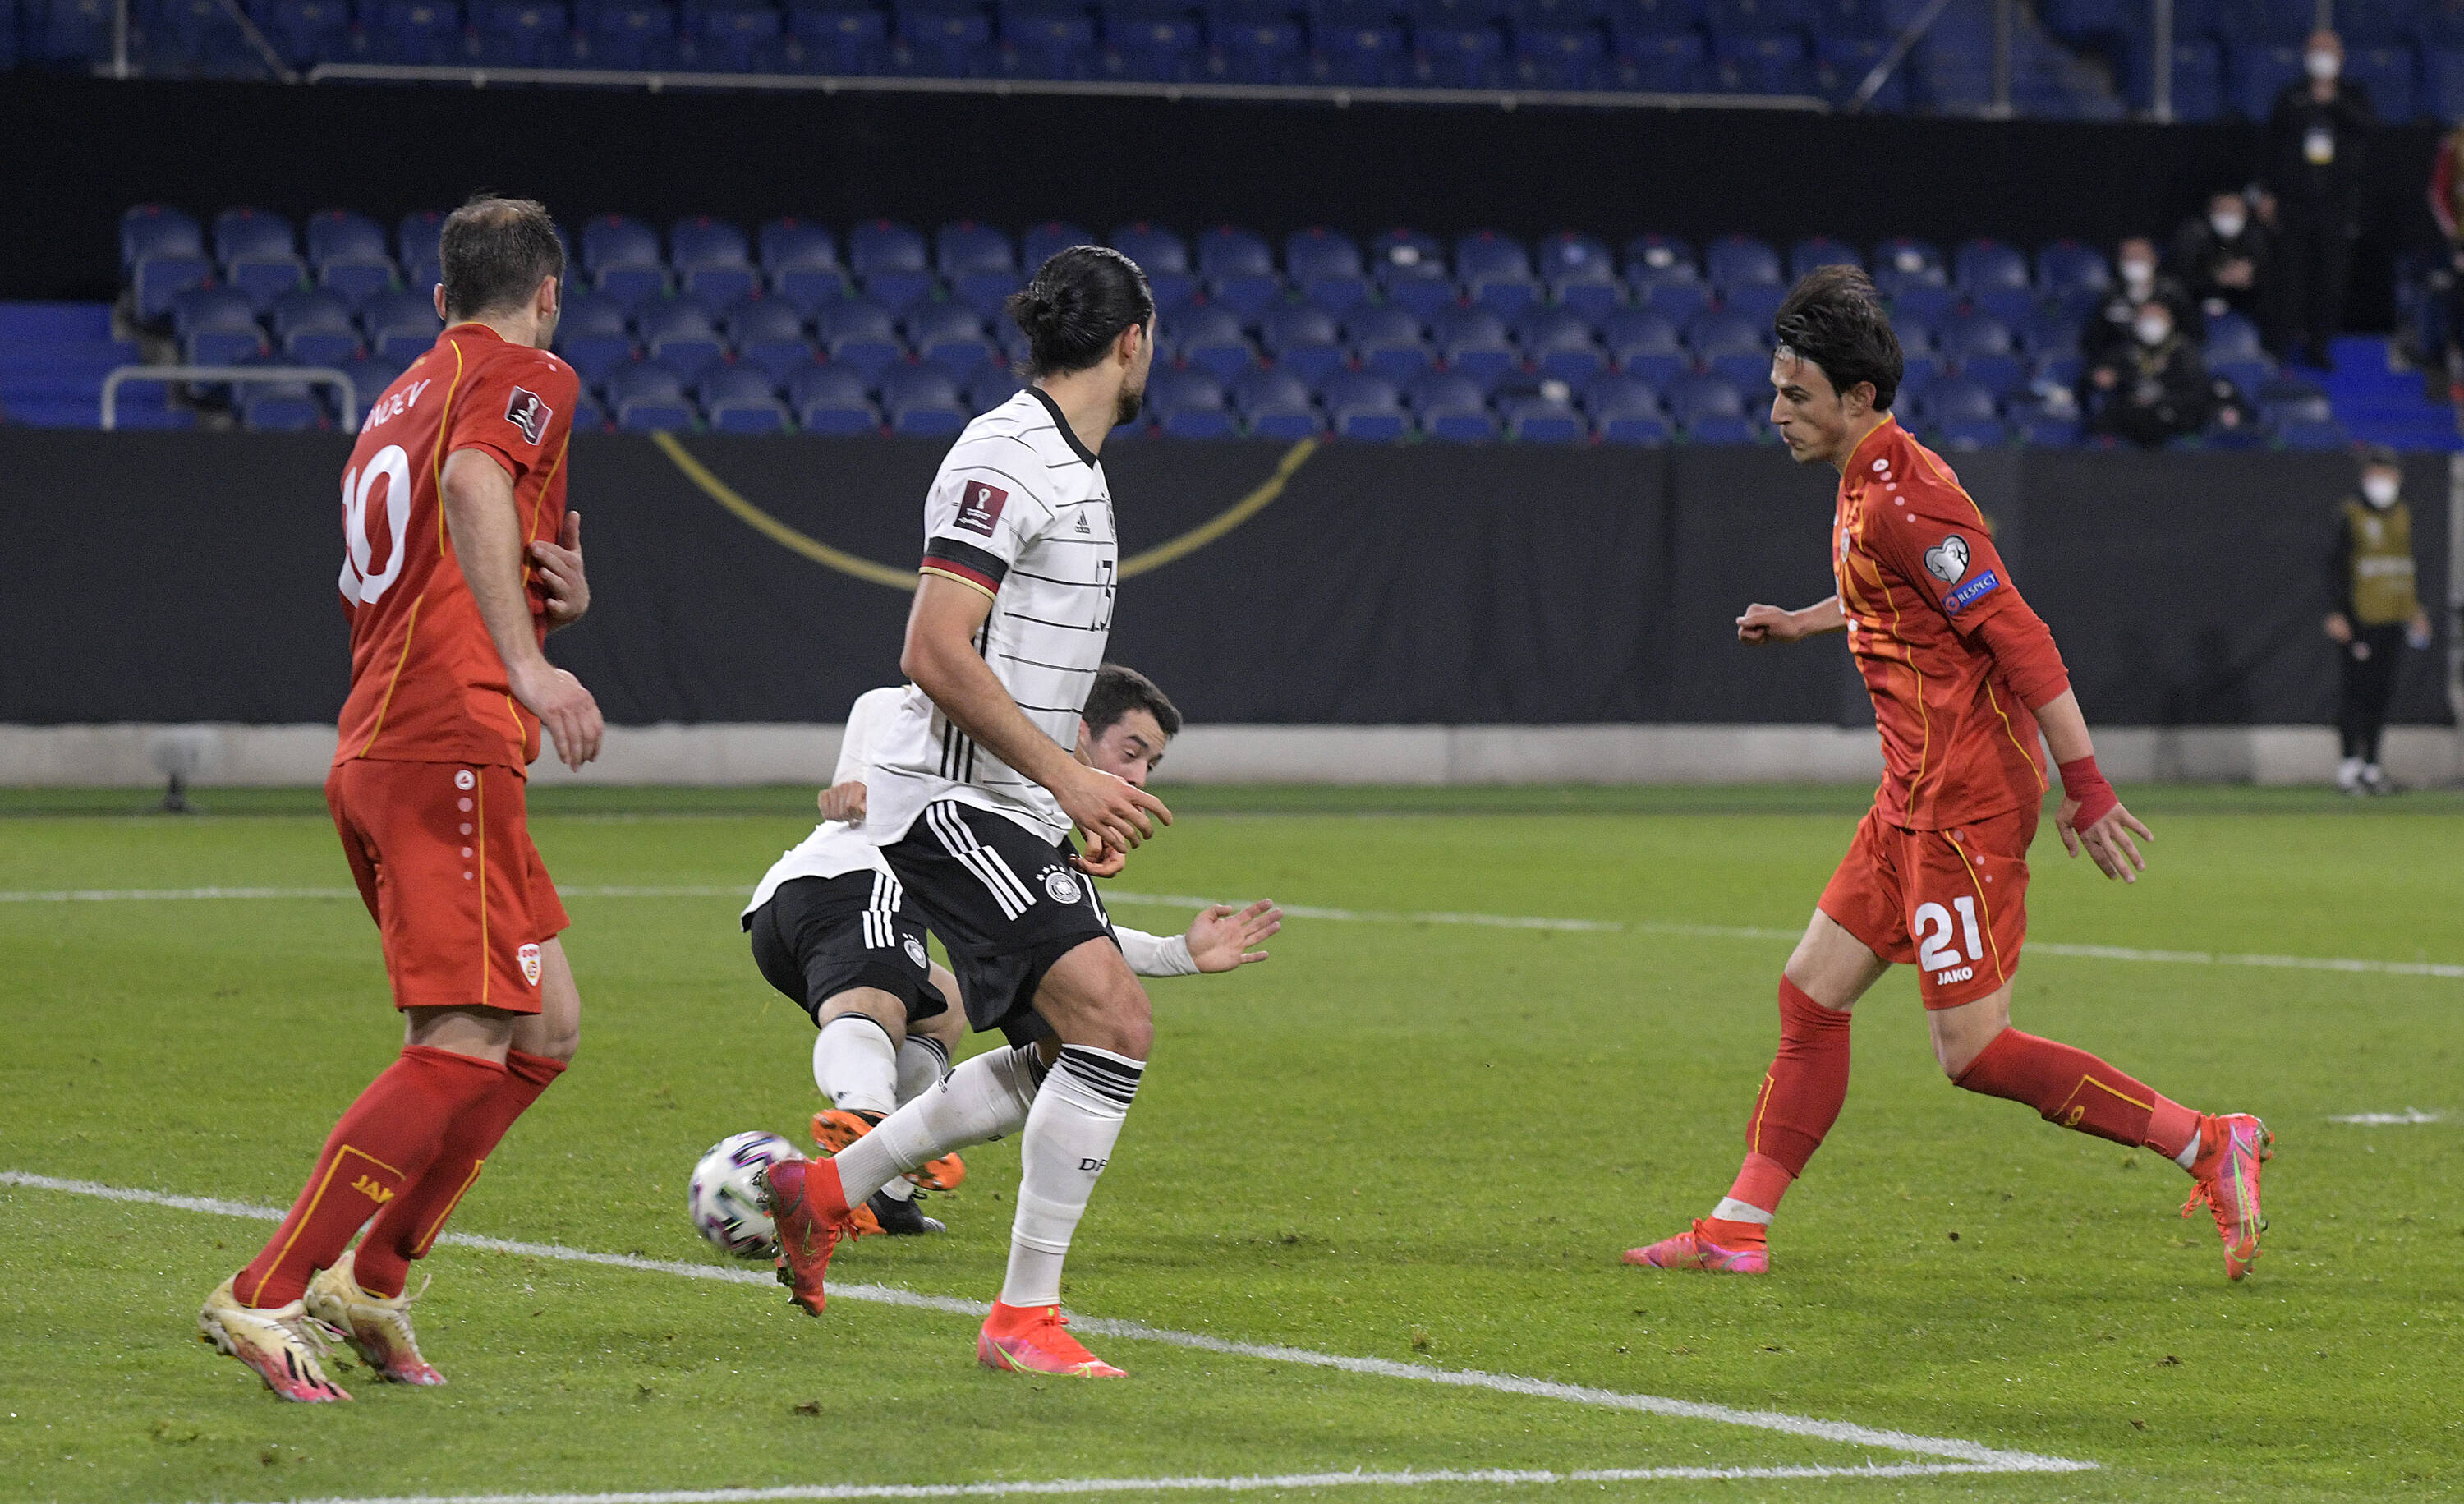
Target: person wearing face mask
point(2377, 614)
point(2317, 136)
point(2155, 389)
point(2140, 281)
point(2221, 257)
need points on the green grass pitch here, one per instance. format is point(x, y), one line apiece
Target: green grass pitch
point(1424, 1143)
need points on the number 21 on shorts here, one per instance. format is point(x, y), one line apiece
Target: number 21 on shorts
point(1935, 952)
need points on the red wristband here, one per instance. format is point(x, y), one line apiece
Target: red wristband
point(2096, 798)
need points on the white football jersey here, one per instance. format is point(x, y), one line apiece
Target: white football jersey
point(837, 846)
point(1020, 510)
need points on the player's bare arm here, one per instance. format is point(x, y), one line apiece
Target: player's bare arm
point(477, 494)
point(1223, 938)
point(940, 656)
point(2107, 835)
point(559, 570)
point(1762, 624)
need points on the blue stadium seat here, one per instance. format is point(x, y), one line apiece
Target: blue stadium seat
point(210, 308)
point(1357, 55)
point(1055, 39)
point(311, 310)
point(1486, 251)
point(2068, 266)
point(1452, 407)
point(592, 336)
point(1921, 301)
point(1154, 247)
point(2046, 425)
point(1657, 17)
point(950, 336)
point(151, 229)
point(991, 387)
point(1558, 345)
point(861, 333)
point(280, 408)
point(1545, 420)
point(156, 280)
point(1190, 405)
point(1239, 269)
point(1303, 339)
point(769, 334)
point(2199, 89)
point(1458, 55)
point(418, 239)
point(1211, 339)
point(1362, 406)
point(1901, 263)
point(2231, 337)
point(2257, 71)
point(802, 263)
point(1711, 411)
point(1818, 251)
point(1252, 52)
point(701, 240)
point(524, 29)
point(1842, 63)
point(1327, 267)
point(739, 399)
point(840, 37)
point(832, 400)
point(1660, 62)
point(1039, 244)
point(614, 240)
point(1986, 265)
point(2016, 306)
point(1625, 411)
point(965, 246)
point(1712, 335)
point(1758, 301)
point(1643, 345)
point(1653, 259)
point(1572, 254)
point(1158, 49)
point(943, 33)
point(1776, 63)
point(1557, 58)
point(1753, 18)
point(1740, 260)
point(1276, 404)
point(1389, 341)
point(335, 234)
point(892, 262)
point(1474, 343)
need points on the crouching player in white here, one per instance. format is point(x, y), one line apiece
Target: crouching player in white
point(833, 931)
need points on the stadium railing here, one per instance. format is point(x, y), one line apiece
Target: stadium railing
point(298, 375)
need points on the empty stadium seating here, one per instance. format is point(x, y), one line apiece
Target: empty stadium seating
point(1736, 47)
point(886, 327)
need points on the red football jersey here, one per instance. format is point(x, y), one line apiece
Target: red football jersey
point(426, 682)
point(1918, 574)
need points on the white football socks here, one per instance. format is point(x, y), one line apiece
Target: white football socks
point(983, 1098)
point(922, 1062)
point(856, 1065)
point(1070, 1137)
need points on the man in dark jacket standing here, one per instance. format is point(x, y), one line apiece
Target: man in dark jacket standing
point(2316, 137)
point(2377, 613)
point(2222, 256)
point(2153, 389)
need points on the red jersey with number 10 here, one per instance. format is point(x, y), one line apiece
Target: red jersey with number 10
point(426, 682)
point(1919, 576)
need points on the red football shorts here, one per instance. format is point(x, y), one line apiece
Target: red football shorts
point(444, 859)
point(1953, 903)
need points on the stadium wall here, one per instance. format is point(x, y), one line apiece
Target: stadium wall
point(91, 148)
point(1396, 612)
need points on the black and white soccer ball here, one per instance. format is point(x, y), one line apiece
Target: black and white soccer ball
point(727, 1198)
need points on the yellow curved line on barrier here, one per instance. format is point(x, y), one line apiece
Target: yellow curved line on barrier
point(775, 531)
point(821, 553)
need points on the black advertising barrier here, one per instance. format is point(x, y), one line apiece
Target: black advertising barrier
point(157, 577)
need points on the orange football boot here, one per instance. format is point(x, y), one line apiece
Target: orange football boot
point(1031, 1339)
point(812, 1216)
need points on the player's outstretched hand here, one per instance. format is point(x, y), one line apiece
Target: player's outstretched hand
point(843, 801)
point(563, 706)
point(561, 574)
point(2108, 842)
point(1219, 937)
point(1109, 809)
point(1762, 624)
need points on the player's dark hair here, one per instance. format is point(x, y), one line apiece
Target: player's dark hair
point(1117, 691)
point(496, 252)
point(1077, 305)
point(1834, 319)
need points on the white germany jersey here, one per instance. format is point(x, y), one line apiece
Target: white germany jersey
point(1020, 510)
point(836, 848)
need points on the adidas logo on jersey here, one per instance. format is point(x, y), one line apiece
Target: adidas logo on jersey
point(1082, 524)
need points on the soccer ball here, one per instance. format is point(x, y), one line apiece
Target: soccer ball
point(727, 1200)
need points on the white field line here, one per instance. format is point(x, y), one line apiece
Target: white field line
point(1973, 1456)
point(1509, 1476)
point(2405, 1119)
point(1300, 910)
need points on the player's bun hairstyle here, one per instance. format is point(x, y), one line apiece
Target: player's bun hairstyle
point(1077, 305)
point(1834, 319)
point(1117, 691)
point(496, 252)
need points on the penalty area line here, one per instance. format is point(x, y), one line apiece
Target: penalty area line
point(1970, 1456)
point(2448, 970)
point(1416, 1478)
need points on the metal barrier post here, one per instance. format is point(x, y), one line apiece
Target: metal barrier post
point(2005, 28)
point(1891, 60)
point(2161, 65)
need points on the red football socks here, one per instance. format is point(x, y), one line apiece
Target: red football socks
point(408, 1224)
point(1807, 1083)
point(2076, 1090)
point(383, 1144)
